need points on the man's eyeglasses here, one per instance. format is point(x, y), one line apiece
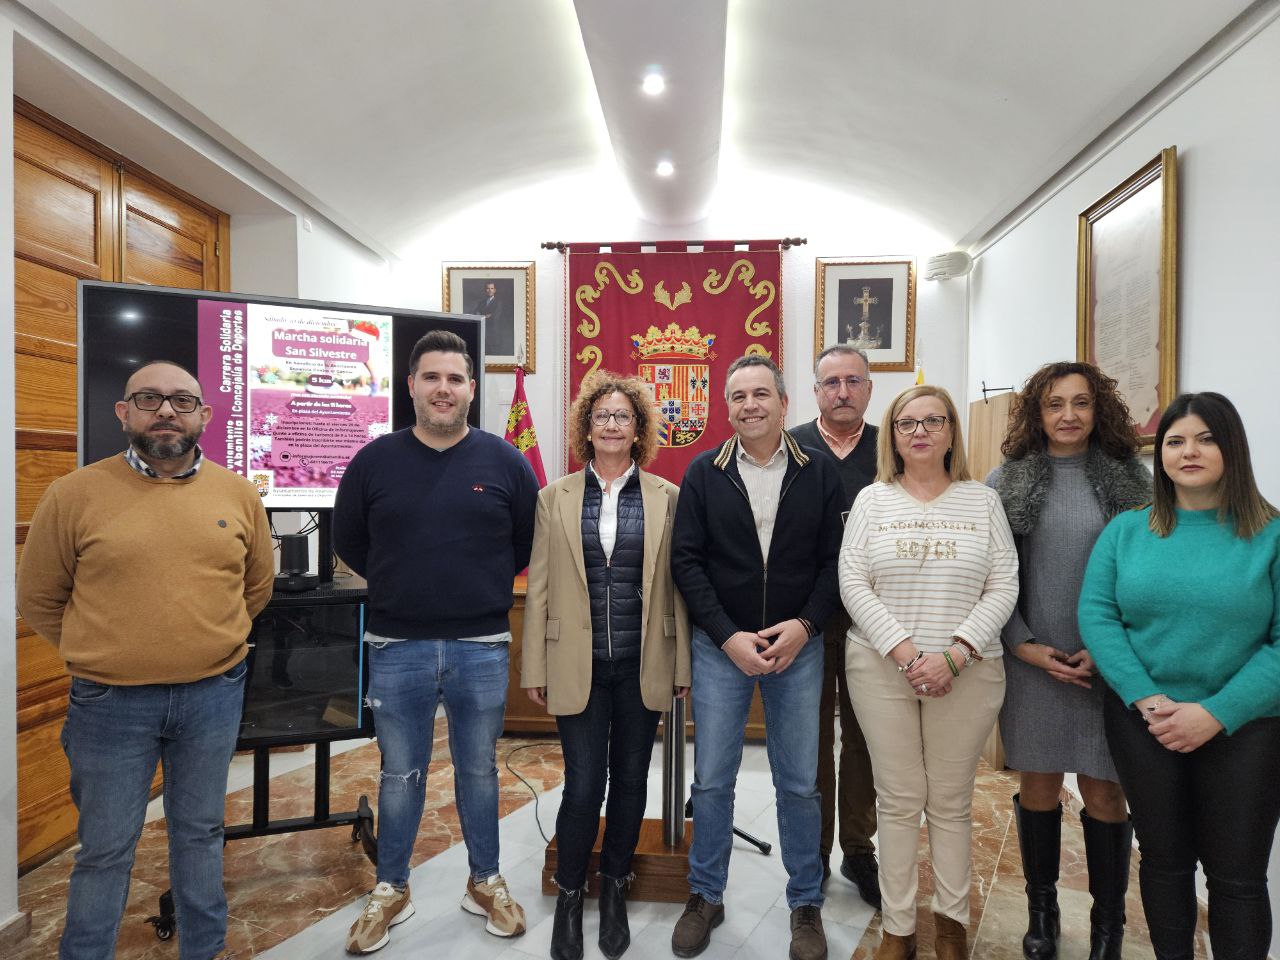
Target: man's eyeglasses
point(151, 402)
point(832, 384)
point(601, 417)
point(907, 425)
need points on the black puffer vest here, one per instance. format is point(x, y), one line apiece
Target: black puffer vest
point(614, 586)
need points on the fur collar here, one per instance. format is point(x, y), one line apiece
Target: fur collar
point(1023, 486)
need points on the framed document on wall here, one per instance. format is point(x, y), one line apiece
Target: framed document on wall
point(1127, 281)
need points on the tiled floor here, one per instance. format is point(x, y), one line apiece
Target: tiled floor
point(292, 897)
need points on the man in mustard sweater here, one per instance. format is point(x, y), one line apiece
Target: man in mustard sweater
point(146, 570)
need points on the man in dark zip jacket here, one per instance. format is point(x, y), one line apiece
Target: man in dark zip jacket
point(753, 553)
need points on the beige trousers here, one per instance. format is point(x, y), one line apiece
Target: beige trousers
point(924, 754)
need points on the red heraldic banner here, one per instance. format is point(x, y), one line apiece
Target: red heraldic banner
point(677, 320)
point(520, 432)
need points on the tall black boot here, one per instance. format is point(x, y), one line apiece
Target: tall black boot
point(1107, 849)
point(566, 927)
point(1040, 841)
point(615, 934)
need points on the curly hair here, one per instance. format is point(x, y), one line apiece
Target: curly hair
point(1113, 428)
point(601, 384)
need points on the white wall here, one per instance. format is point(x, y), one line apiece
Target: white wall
point(8, 652)
point(747, 206)
point(1225, 127)
point(332, 266)
point(264, 254)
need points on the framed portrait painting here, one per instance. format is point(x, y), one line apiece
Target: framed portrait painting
point(1127, 281)
point(870, 304)
point(503, 294)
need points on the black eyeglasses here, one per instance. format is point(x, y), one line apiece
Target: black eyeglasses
point(907, 425)
point(620, 417)
point(151, 402)
point(832, 384)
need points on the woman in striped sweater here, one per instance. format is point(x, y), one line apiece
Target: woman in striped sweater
point(929, 574)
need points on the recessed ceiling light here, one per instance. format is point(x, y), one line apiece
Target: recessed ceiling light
point(665, 168)
point(654, 83)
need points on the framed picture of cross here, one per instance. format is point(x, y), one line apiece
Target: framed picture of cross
point(869, 303)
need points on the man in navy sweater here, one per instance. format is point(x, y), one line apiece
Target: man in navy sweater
point(439, 519)
point(753, 552)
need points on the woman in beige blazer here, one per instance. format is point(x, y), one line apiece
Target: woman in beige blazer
point(606, 642)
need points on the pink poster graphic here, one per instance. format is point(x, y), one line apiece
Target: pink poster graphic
point(318, 383)
point(221, 369)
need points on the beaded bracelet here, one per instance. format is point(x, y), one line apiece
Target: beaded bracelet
point(910, 663)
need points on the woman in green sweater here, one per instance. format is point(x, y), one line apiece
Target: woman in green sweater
point(1180, 609)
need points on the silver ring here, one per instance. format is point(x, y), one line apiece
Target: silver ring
point(924, 688)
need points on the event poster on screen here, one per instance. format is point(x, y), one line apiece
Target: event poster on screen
point(295, 392)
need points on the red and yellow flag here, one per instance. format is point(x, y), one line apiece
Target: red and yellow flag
point(520, 432)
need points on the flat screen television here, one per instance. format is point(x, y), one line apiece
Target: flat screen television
point(296, 386)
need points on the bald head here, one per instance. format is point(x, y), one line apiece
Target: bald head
point(176, 377)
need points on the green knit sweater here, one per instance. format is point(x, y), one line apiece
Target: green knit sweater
point(1194, 615)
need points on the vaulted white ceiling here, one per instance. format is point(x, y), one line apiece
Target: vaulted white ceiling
point(390, 115)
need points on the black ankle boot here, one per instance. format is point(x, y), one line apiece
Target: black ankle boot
point(1107, 849)
point(1040, 840)
point(615, 935)
point(566, 928)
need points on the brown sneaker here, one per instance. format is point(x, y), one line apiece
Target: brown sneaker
point(387, 906)
point(808, 942)
point(693, 929)
point(492, 899)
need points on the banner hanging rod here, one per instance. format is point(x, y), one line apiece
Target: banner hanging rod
point(786, 243)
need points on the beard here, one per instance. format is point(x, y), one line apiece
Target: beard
point(434, 423)
point(166, 447)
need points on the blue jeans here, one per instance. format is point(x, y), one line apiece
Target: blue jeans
point(612, 738)
point(407, 680)
point(721, 699)
point(113, 738)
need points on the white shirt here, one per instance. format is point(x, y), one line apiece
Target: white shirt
point(609, 491)
point(764, 488)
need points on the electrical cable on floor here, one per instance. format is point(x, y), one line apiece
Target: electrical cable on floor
point(507, 763)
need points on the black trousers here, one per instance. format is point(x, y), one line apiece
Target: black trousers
point(1217, 805)
point(610, 741)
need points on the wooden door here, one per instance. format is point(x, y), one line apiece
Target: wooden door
point(78, 210)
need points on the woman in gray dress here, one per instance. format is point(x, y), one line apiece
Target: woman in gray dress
point(1070, 466)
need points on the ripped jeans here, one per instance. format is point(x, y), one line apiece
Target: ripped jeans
point(407, 680)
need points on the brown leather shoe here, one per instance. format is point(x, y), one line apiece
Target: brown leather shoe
point(950, 941)
point(808, 941)
point(693, 929)
point(894, 947)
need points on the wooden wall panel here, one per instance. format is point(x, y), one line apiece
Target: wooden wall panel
point(38, 660)
point(64, 203)
point(44, 303)
point(36, 469)
point(45, 393)
point(43, 825)
point(167, 241)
